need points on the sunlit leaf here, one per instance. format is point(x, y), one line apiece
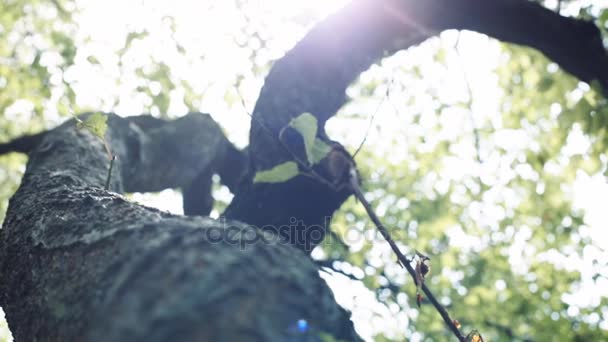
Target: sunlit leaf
point(319, 150)
point(306, 125)
point(95, 123)
point(278, 174)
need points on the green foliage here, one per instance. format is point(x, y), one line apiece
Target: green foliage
point(278, 174)
point(95, 123)
point(506, 244)
point(34, 47)
point(306, 124)
point(316, 150)
point(508, 247)
point(319, 150)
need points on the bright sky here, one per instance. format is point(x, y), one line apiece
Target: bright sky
point(217, 50)
point(210, 32)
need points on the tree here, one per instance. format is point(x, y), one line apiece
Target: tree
point(91, 265)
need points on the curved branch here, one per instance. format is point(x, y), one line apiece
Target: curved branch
point(313, 76)
point(78, 263)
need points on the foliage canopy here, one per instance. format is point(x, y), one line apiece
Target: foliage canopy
point(486, 182)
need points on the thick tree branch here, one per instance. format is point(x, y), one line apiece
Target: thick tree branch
point(313, 76)
point(78, 263)
point(22, 144)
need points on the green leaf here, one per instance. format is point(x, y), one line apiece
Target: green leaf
point(278, 174)
point(96, 123)
point(591, 97)
point(319, 150)
point(306, 125)
point(545, 83)
point(130, 38)
point(93, 60)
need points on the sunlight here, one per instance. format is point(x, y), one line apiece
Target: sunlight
point(213, 30)
point(5, 333)
point(179, 34)
point(436, 113)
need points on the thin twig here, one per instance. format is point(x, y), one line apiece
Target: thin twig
point(110, 172)
point(111, 156)
point(329, 264)
point(469, 102)
point(371, 120)
point(405, 262)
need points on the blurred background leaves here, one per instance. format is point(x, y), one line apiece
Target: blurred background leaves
point(484, 156)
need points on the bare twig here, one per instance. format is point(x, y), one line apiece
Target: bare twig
point(112, 159)
point(328, 264)
point(111, 156)
point(405, 262)
point(469, 102)
point(371, 120)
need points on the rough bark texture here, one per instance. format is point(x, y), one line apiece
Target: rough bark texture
point(78, 263)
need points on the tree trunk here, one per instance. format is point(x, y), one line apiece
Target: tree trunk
point(79, 263)
point(83, 264)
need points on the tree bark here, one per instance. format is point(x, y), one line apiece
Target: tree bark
point(79, 263)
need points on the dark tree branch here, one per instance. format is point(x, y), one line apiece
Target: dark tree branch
point(313, 76)
point(576, 45)
point(328, 265)
point(184, 147)
point(22, 144)
point(405, 262)
point(78, 263)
